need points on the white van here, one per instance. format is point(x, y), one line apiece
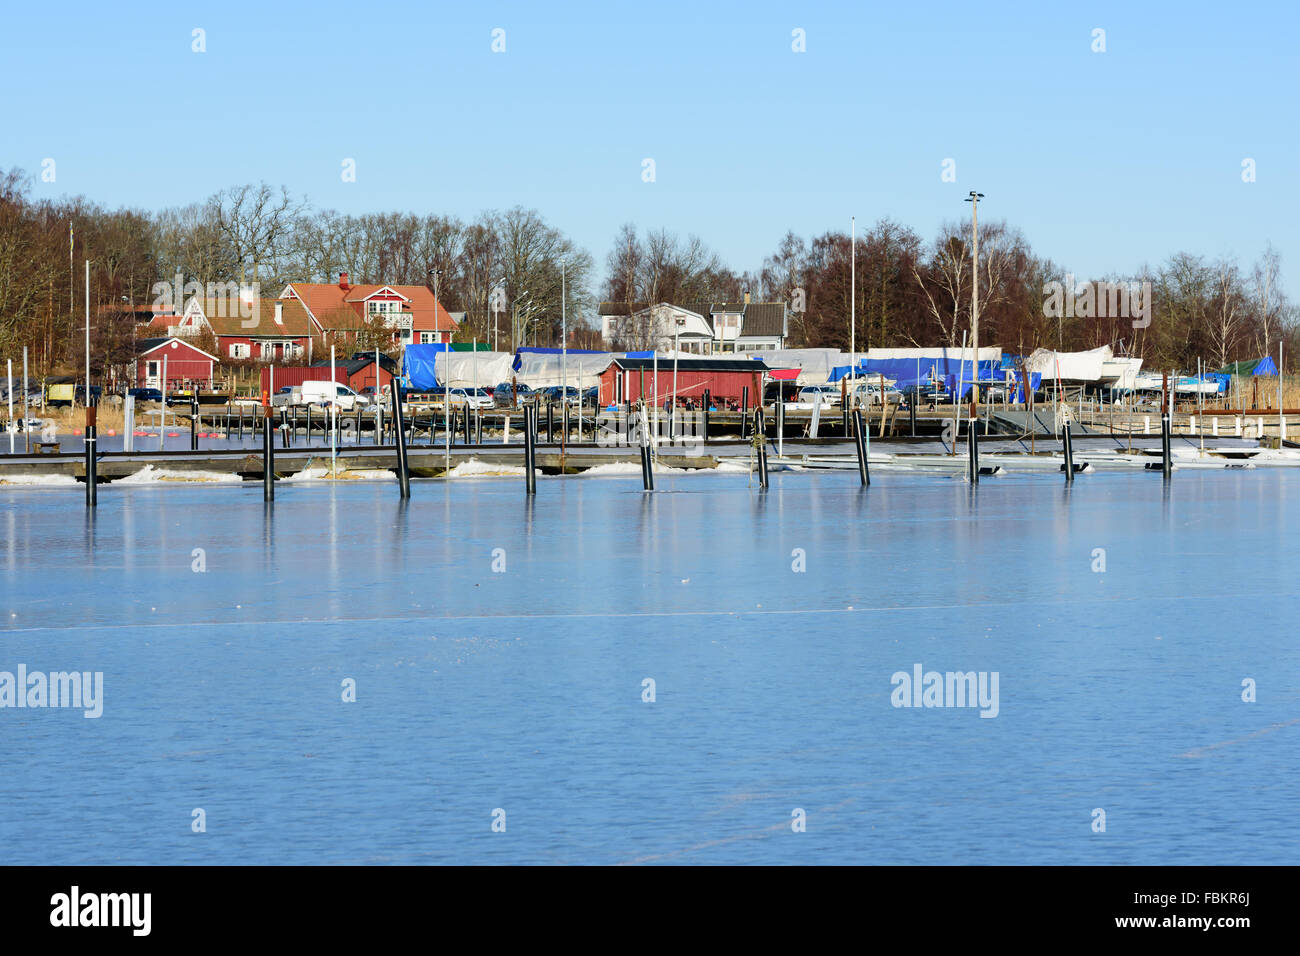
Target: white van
point(326, 393)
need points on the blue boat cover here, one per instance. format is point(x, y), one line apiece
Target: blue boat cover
point(420, 370)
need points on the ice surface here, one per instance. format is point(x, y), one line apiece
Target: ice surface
point(499, 648)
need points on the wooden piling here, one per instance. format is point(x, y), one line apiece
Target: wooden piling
point(859, 441)
point(92, 476)
point(530, 451)
point(1067, 440)
point(399, 434)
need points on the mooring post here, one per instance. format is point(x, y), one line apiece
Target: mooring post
point(760, 438)
point(283, 428)
point(1068, 440)
point(92, 477)
point(864, 474)
point(911, 407)
point(744, 411)
point(194, 423)
point(1166, 451)
point(973, 444)
point(399, 433)
point(268, 451)
point(530, 449)
point(647, 458)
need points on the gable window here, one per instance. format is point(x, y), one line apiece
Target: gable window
point(383, 307)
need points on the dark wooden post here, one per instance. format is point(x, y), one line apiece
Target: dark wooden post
point(92, 475)
point(399, 432)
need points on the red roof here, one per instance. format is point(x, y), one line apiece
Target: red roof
point(325, 300)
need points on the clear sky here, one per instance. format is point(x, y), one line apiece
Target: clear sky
point(1105, 160)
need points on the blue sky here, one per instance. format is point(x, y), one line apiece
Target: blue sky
point(1105, 160)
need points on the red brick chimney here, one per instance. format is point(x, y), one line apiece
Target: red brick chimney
point(343, 281)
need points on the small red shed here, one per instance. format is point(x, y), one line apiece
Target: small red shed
point(356, 372)
point(185, 365)
point(627, 380)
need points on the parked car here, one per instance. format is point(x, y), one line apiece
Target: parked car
point(869, 393)
point(926, 393)
point(568, 395)
point(146, 394)
point(503, 396)
point(471, 397)
point(319, 393)
point(591, 396)
point(825, 394)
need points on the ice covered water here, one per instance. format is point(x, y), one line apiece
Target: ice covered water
point(501, 651)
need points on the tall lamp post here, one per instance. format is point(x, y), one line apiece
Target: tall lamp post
point(974, 200)
point(564, 339)
point(436, 274)
point(672, 415)
point(853, 302)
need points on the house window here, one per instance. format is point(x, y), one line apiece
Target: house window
point(429, 338)
point(378, 307)
point(239, 350)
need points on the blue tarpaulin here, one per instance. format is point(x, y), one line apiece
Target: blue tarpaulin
point(1223, 379)
point(908, 372)
point(420, 365)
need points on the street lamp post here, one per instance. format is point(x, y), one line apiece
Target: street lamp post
point(672, 415)
point(564, 342)
point(974, 200)
point(853, 302)
point(446, 367)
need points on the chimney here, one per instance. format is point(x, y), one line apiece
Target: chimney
point(746, 297)
point(279, 313)
point(343, 281)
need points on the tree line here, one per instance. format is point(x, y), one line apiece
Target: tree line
point(505, 269)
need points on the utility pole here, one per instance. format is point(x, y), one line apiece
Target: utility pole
point(974, 200)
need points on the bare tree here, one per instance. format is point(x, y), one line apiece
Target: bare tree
point(256, 223)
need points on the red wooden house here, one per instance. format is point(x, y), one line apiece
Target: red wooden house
point(628, 380)
point(267, 330)
point(184, 365)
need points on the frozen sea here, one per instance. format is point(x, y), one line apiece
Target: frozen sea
point(501, 650)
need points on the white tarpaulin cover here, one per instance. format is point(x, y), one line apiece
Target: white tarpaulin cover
point(814, 364)
point(542, 369)
point(473, 369)
point(988, 353)
point(1074, 366)
point(1120, 372)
